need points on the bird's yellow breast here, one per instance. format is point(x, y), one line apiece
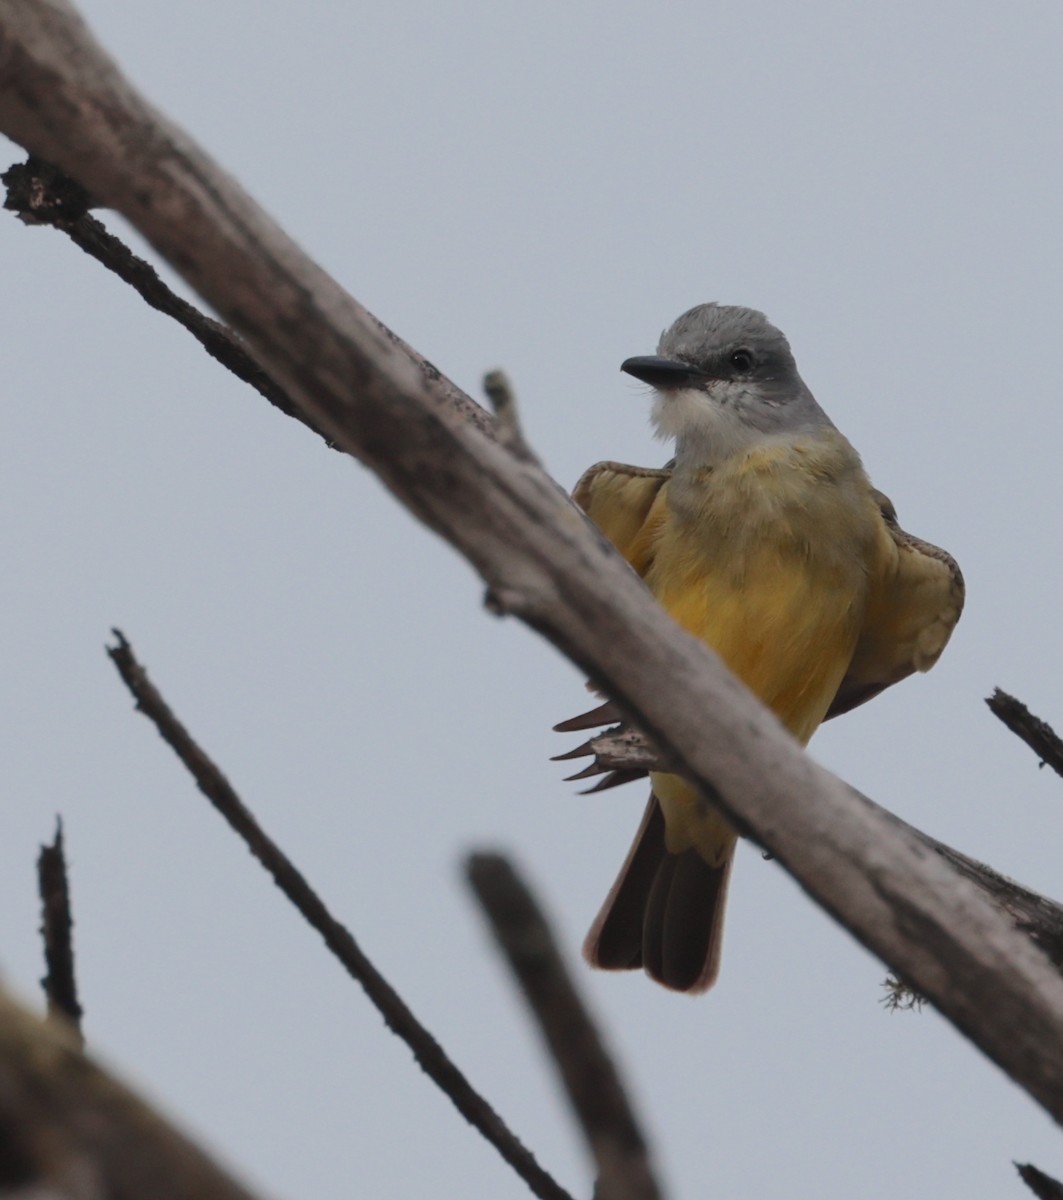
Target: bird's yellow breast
point(768, 559)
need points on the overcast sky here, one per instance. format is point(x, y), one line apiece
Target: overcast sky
point(543, 188)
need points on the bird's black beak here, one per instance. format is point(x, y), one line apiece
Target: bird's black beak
point(665, 373)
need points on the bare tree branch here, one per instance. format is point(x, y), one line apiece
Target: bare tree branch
point(588, 1072)
point(41, 194)
point(431, 1057)
point(68, 1131)
point(63, 99)
point(1037, 734)
point(57, 925)
point(1043, 1186)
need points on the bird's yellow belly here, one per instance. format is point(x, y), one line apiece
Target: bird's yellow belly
point(786, 629)
point(785, 624)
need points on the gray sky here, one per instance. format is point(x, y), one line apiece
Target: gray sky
point(542, 187)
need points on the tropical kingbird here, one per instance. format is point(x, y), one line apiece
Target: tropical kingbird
point(764, 538)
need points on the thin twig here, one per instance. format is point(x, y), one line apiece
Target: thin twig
point(589, 1074)
point(41, 194)
point(426, 1050)
point(57, 925)
point(1043, 1186)
point(1037, 734)
point(503, 399)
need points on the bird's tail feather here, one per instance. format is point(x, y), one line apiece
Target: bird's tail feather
point(664, 913)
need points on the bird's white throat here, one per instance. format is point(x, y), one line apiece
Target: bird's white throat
point(707, 426)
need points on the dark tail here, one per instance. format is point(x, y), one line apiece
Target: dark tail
point(664, 913)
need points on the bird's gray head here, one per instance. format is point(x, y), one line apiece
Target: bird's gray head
point(725, 380)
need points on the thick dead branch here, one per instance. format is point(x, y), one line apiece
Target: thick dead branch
point(431, 1057)
point(57, 928)
point(1037, 734)
point(1043, 1186)
point(587, 1070)
point(64, 100)
point(68, 1131)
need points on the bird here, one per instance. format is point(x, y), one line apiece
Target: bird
point(764, 538)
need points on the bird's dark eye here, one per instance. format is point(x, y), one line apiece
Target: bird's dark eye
point(742, 360)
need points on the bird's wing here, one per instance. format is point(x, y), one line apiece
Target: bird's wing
point(626, 504)
point(913, 609)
